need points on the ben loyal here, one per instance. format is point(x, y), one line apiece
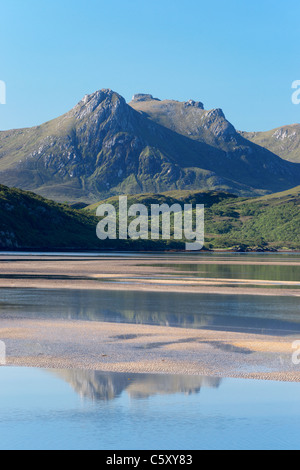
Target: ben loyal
point(105, 147)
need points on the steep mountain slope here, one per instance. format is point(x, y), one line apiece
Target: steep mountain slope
point(190, 119)
point(104, 147)
point(284, 141)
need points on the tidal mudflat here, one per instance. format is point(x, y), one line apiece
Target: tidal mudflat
point(218, 315)
point(264, 274)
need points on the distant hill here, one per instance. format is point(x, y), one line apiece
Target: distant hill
point(104, 147)
point(169, 197)
point(283, 141)
point(30, 222)
point(242, 224)
point(289, 195)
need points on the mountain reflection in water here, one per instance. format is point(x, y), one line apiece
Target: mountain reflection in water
point(99, 386)
point(228, 312)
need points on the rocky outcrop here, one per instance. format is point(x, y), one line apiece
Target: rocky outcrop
point(143, 97)
point(194, 104)
point(215, 122)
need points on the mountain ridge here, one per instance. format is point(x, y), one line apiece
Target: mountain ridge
point(284, 141)
point(105, 147)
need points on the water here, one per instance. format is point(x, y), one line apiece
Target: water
point(261, 272)
point(262, 313)
point(90, 410)
point(229, 312)
point(74, 409)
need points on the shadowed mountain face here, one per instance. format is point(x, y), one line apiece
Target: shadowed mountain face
point(107, 386)
point(105, 147)
point(28, 221)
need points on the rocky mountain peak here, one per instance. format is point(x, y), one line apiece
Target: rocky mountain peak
point(105, 147)
point(143, 97)
point(194, 104)
point(216, 122)
point(90, 103)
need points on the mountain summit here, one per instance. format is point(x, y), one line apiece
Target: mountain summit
point(105, 147)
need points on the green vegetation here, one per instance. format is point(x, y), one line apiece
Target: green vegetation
point(255, 225)
point(233, 223)
point(28, 221)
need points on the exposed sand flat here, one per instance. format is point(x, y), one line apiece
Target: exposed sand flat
point(135, 348)
point(159, 287)
point(147, 349)
point(136, 273)
point(291, 259)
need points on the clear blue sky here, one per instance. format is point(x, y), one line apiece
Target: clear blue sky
point(238, 55)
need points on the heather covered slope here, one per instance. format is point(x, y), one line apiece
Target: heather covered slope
point(28, 221)
point(104, 147)
point(268, 223)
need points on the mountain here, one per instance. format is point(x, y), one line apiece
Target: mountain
point(284, 141)
point(190, 119)
point(104, 147)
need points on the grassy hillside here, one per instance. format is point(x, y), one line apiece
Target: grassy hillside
point(28, 221)
point(263, 223)
point(284, 141)
point(268, 223)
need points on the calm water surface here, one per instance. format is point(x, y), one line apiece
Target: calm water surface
point(89, 410)
point(258, 271)
point(262, 313)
